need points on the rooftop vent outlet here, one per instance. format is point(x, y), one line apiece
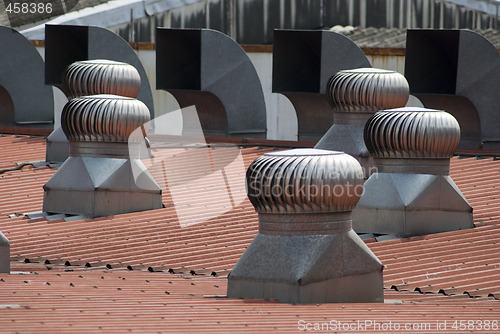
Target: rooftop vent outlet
point(354, 96)
point(458, 71)
point(97, 179)
point(303, 62)
point(25, 100)
point(4, 254)
point(412, 192)
point(208, 69)
point(306, 250)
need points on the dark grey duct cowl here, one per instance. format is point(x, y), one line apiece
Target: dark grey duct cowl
point(100, 178)
point(303, 62)
point(306, 250)
point(4, 254)
point(354, 96)
point(208, 69)
point(25, 100)
point(412, 192)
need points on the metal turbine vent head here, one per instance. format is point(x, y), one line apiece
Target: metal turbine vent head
point(367, 90)
point(101, 76)
point(412, 133)
point(102, 118)
point(304, 181)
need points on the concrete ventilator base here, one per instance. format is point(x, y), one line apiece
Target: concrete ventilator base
point(4, 254)
point(348, 138)
point(57, 146)
point(411, 204)
point(97, 186)
point(336, 268)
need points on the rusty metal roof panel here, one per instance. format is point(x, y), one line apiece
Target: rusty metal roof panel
point(116, 301)
point(33, 149)
point(371, 37)
point(453, 266)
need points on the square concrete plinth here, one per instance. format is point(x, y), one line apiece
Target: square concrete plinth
point(411, 204)
point(4, 254)
point(95, 187)
point(335, 268)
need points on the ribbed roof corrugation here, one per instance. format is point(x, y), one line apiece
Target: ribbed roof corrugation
point(371, 37)
point(120, 301)
point(14, 151)
point(457, 262)
point(152, 239)
point(452, 263)
point(478, 181)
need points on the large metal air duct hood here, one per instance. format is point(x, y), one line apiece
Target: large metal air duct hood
point(303, 62)
point(457, 71)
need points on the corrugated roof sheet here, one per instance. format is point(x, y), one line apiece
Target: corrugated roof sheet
point(119, 301)
point(12, 154)
point(451, 266)
point(371, 37)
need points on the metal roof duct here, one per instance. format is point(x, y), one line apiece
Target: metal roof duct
point(355, 95)
point(4, 254)
point(208, 69)
point(25, 100)
point(303, 62)
point(306, 250)
point(412, 192)
point(97, 179)
point(458, 71)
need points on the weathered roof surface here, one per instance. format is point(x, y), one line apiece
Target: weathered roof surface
point(451, 266)
point(371, 37)
point(458, 262)
point(138, 301)
point(32, 149)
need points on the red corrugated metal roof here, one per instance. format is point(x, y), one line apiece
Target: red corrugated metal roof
point(117, 301)
point(458, 264)
point(478, 179)
point(19, 148)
